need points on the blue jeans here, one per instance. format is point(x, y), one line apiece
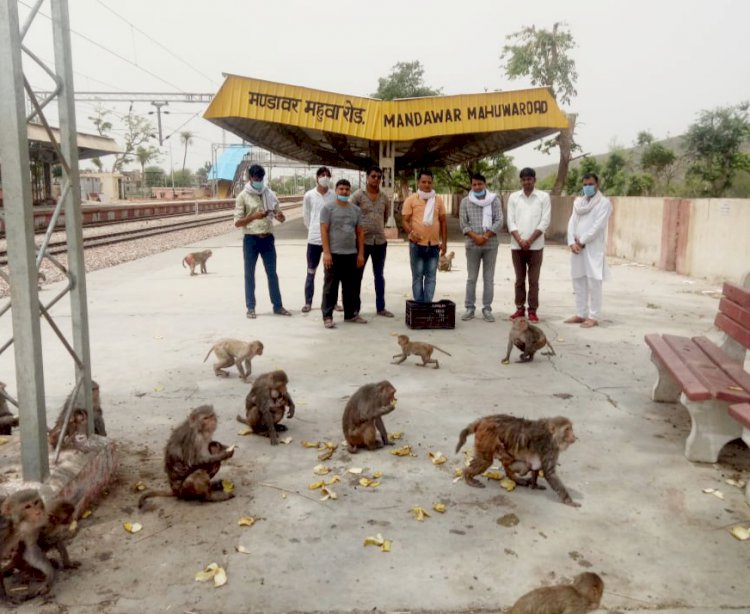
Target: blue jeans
point(424, 265)
point(263, 246)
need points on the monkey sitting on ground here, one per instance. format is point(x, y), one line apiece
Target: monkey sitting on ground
point(192, 458)
point(584, 595)
point(22, 519)
point(527, 338)
point(234, 352)
point(522, 446)
point(363, 416)
point(419, 348)
point(77, 429)
point(7, 419)
point(266, 403)
point(446, 261)
point(195, 258)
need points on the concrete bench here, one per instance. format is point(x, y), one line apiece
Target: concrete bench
point(706, 378)
point(741, 413)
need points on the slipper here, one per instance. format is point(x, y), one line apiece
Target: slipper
point(575, 320)
point(385, 313)
point(306, 308)
point(358, 319)
point(338, 307)
point(589, 323)
point(328, 323)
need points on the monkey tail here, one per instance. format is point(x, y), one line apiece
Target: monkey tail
point(469, 430)
point(551, 350)
point(183, 262)
point(153, 493)
point(242, 420)
point(209, 353)
point(439, 350)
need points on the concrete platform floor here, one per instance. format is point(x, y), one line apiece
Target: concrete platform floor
point(645, 525)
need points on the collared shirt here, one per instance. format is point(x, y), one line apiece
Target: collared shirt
point(247, 203)
point(374, 215)
point(415, 207)
point(312, 205)
point(470, 217)
point(527, 214)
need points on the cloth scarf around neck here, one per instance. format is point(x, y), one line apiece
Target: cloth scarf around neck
point(269, 201)
point(583, 206)
point(486, 204)
point(429, 210)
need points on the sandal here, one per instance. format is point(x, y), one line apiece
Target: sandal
point(306, 308)
point(575, 320)
point(589, 323)
point(358, 319)
point(328, 323)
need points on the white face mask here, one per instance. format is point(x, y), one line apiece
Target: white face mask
point(324, 182)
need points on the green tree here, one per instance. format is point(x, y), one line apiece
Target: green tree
point(103, 128)
point(644, 138)
point(640, 184)
point(543, 56)
point(498, 170)
point(186, 138)
point(713, 148)
point(183, 178)
point(201, 175)
point(405, 81)
point(614, 177)
point(588, 164)
point(144, 155)
point(154, 176)
point(660, 162)
point(138, 132)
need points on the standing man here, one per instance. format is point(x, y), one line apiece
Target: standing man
point(481, 219)
point(314, 202)
point(254, 211)
point(428, 237)
point(587, 238)
point(343, 254)
point(529, 213)
point(373, 204)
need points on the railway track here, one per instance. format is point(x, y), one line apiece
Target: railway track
point(112, 238)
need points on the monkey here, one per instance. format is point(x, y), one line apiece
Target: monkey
point(22, 520)
point(421, 349)
point(77, 428)
point(195, 258)
point(584, 595)
point(7, 419)
point(234, 352)
point(40, 279)
point(192, 458)
point(522, 446)
point(363, 416)
point(527, 338)
point(265, 405)
point(446, 262)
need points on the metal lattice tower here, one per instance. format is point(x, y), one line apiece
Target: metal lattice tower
point(23, 257)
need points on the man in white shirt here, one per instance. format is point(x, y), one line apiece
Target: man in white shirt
point(529, 213)
point(587, 238)
point(313, 203)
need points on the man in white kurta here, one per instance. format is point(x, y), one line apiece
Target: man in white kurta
point(587, 238)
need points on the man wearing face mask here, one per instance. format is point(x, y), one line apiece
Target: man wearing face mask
point(343, 254)
point(425, 222)
point(529, 215)
point(373, 204)
point(314, 202)
point(254, 211)
point(587, 238)
point(481, 219)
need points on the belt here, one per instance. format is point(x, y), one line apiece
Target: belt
point(264, 235)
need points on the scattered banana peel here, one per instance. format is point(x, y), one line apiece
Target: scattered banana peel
point(132, 527)
point(355, 470)
point(439, 507)
point(468, 457)
point(232, 448)
point(86, 514)
point(321, 470)
point(493, 474)
point(241, 549)
point(328, 448)
point(286, 440)
point(4, 440)
point(377, 474)
point(396, 435)
point(227, 486)
point(327, 494)
point(458, 472)
point(246, 521)
point(325, 455)
point(333, 480)
point(505, 361)
point(213, 572)
point(737, 483)
point(716, 493)
point(244, 432)
point(740, 533)
point(419, 513)
point(437, 458)
point(316, 485)
point(158, 388)
point(368, 483)
point(73, 526)
point(310, 444)
point(139, 486)
point(508, 484)
point(379, 540)
point(403, 451)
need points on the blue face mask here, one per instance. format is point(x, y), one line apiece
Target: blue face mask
point(344, 198)
point(589, 190)
point(479, 194)
point(257, 185)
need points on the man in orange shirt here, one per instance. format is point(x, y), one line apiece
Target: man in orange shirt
point(425, 222)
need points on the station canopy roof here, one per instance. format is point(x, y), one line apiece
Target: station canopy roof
point(321, 127)
point(89, 145)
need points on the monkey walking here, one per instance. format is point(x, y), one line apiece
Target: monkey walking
point(234, 352)
point(418, 348)
point(266, 403)
point(77, 428)
point(192, 458)
point(522, 446)
point(446, 261)
point(583, 595)
point(7, 419)
point(194, 259)
point(363, 416)
point(527, 338)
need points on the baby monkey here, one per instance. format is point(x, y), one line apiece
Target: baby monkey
point(446, 262)
point(584, 595)
point(419, 348)
point(527, 338)
point(194, 259)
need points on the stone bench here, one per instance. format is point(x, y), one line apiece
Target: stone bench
point(707, 378)
point(741, 413)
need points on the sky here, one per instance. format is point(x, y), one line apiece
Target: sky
point(642, 65)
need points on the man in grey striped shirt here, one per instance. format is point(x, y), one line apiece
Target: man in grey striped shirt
point(481, 219)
